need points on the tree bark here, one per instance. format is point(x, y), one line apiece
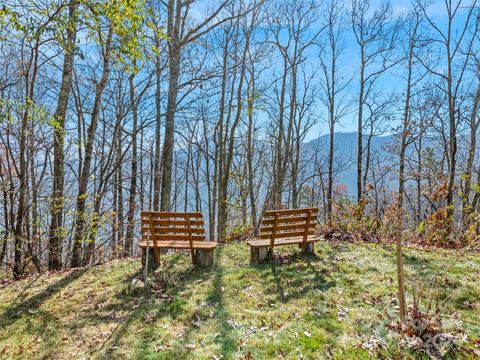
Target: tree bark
point(19, 229)
point(474, 124)
point(133, 179)
point(80, 223)
point(157, 170)
point(251, 176)
point(56, 209)
point(173, 31)
point(222, 203)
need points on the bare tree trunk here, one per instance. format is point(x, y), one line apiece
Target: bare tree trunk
point(133, 179)
point(3, 249)
point(331, 150)
point(474, 124)
point(220, 164)
point(187, 175)
point(251, 176)
point(211, 188)
point(56, 209)
point(113, 241)
point(173, 31)
point(80, 223)
point(119, 185)
point(401, 182)
point(279, 171)
point(157, 171)
point(419, 177)
point(22, 209)
point(452, 135)
point(360, 131)
point(34, 245)
point(222, 205)
point(336, 26)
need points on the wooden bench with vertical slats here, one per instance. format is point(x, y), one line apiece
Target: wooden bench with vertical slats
point(178, 231)
point(284, 227)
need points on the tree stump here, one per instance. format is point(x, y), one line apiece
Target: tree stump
point(152, 263)
point(258, 254)
point(308, 248)
point(203, 257)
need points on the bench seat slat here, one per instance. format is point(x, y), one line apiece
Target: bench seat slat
point(283, 241)
point(203, 245)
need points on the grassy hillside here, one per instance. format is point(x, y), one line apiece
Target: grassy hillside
point(325, 306)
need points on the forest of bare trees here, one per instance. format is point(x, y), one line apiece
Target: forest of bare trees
point(110, 107)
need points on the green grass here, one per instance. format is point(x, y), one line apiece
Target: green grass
point(316, 306)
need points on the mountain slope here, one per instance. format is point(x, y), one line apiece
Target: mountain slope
point(345, 154)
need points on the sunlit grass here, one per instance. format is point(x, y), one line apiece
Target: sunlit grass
point(316, 306)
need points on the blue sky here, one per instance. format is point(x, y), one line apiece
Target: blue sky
point(391, 81)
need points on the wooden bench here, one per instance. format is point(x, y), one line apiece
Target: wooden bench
point(284, 227)
point(178, 231)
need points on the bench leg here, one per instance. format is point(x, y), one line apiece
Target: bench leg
point(203, 257)
point(258, 254)
point(152, 263)
point(309, 249)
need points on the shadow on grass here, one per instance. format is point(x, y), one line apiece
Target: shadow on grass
point(419, 262)
point(292, 283)
point(139, 310)
point(227, 337)
point(13, 313)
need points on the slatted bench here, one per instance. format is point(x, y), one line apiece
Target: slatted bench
point(284, 227)
point(178, 231)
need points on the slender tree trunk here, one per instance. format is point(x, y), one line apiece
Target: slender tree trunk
point(250, 150)
point(119, 186)
point(80, 223)
point(331, 144)
point(3, 249)
point(452, 141)
point(419, 177)
point(173, 30)
point(401, 187)
point(360, 132)
point(113, 243)
point(157, 174)
point(34, 245)
point(22, 209)
point(133, 179)
point(210, 187)
point(222, 205)
point(168, 143)
point(279, 174)
point(187, 175)
point(56, 209)
point(474, 124)
point(293, 111)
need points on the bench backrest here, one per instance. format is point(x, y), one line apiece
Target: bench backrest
point(172, 226)
point(289, 223)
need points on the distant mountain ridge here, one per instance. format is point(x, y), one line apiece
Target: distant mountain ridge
point(345, 154)
point(345, 157)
